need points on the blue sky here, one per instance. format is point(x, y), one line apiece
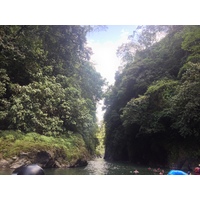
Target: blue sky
point(112, 33)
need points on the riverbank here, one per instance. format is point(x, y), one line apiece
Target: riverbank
point(19, 149)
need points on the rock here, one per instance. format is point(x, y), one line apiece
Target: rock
point(14, 157)
point(4, 163)
point(19, 162)
point(45, 159)
point(79, 163)
point(23, 154)
point(58, 165)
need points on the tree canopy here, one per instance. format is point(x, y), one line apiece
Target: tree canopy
point(47, 84)
point(152, 111)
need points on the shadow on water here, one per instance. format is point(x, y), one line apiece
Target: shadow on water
point(99, 166)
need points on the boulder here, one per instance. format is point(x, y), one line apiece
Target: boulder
point(79, 163)
point(19, 162)
point(4, 163)
point(45, 159)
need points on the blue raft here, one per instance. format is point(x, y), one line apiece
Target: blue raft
point(177, 172)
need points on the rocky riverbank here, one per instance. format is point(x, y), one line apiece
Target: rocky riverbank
point(46, 159)
point(18, 149)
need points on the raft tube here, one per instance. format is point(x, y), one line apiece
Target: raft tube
point(32, 169)
point(177, 172)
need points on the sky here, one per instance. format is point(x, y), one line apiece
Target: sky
point(104, 45)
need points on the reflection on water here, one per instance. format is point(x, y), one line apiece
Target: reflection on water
point(98, 166)
point(94, 167)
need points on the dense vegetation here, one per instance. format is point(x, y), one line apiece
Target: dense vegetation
point(153, 110)
point(70, 148)
point(100, 149)
point(47, 85)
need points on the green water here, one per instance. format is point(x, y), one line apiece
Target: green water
point(99, 166)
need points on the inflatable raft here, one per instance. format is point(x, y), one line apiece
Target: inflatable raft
point(177, 172)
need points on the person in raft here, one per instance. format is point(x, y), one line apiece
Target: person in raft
point(197, 170)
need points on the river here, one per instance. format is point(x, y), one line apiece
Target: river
point(99, 166)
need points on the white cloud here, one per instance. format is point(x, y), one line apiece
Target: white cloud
point(105, 58)
point(106, 61)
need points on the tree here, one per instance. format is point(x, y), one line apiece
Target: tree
point(186, 103)
point(152, 109)
point(191, 43)
point(4, 103)
point(48, 84)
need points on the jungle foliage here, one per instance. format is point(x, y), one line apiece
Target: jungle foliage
point(47, 84)
point(153, 109)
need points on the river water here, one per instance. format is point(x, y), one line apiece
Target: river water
point(99, 166)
